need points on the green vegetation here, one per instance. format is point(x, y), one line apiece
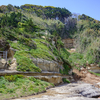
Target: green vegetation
point(15, 86)
point(87, 41)
point(36, 32)
point(77, 58)
point(25, 63)
point(47, 11)
point(31, 30)
point(65, 80)
point(97, 74)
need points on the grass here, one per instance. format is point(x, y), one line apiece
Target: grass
point(25, 63)
point(97, 74)
point(18, 45)
point(42, 50)
point(24, 54)
point(15, 86)
point(77, 58)
point(65, 80)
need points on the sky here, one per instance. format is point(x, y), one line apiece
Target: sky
point(87, 7)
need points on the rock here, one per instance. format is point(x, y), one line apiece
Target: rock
point(11, 53)
point(69, 43)
point(13, 64)
point(92, 65)
point(79, 98)
point(88, 68)
point(97, 65)
point(82, 69)
point(70, 72)
point(45, 65)
point(40, 63)
point(15, 41)
point(86, 90)
point(52, 79)
point(63, 92)
point(3, 64)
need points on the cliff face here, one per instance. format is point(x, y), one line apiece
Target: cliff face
point(50, 66)
point(69, 43)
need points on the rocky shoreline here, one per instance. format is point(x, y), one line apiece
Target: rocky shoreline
point(73, 91)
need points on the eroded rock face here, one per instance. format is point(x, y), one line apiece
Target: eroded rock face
point(52, 79)
point(3, 64)
point(13, 64)
point(69, 43)
point(46, 65)
point(11, 53)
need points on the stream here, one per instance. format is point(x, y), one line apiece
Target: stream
point(72, 91)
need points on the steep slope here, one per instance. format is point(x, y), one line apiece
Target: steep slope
point(32, 40)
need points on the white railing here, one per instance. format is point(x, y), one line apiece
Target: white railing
point(3, 54)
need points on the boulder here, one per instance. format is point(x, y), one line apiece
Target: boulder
point(3, 64)
point(86, 90)
point(13, 64)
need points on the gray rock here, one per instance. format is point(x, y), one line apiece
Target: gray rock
point(86, 90)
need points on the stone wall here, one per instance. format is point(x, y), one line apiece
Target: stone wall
point(50, 66)
point(69, 43)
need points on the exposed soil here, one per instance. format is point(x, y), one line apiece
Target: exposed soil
point(86, 76)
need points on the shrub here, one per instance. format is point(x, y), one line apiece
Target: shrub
point(13, 78)
point(65, 80)
point(32, 79)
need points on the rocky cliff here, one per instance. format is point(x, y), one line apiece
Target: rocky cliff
point(69, 43)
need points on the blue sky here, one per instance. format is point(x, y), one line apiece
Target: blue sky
point(88, 7)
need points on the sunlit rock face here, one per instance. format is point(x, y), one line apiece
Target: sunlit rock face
point(50, 66)
point(3, 64)
point(13, 64)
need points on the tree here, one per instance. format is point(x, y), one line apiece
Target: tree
point(10, 7)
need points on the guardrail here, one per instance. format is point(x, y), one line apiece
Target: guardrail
point(3, 54)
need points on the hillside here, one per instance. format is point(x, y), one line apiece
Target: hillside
point(31, 36)
point(38, 39)
point(87, 41)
